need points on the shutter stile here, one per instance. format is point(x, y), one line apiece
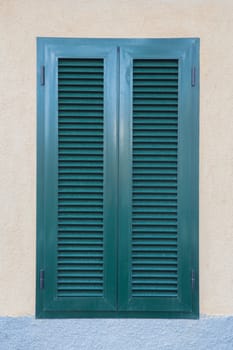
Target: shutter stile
point(154, 184)
point(80, 177)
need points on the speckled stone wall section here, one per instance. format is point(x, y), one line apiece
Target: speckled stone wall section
point(208, 333)
point(21, 21)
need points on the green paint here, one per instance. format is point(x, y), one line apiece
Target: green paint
point(126, 104)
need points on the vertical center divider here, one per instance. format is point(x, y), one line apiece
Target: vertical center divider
point(125, 181)
point(117, 186)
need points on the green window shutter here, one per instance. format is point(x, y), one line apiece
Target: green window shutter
point(78, 156)
point(158, 173)
point(117, 190)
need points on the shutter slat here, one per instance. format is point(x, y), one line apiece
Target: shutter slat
point(79, 209)
point(77, 280)
point(64, 62)
point(154, 242)
point(77, 275)
point(155, 70)
point(79, 127)
point(77, 69)
point(80, 90)
point(154, 179)
point(80, 96)
point(72, 229)
point(77, 287)
point(82, 114)
point(158, 122)
point(154, 89)
point(76, 204)
point(79, 75)
point(76, 262)
point(147, 235)
point(80, 178)
point(154, 108)
point(81, 107)
point(79, 197)
point(73, 139)
point(88, 244)
point(154, 114)
point(154, 63)
point(152, 83)
point(77, 254)
point(150, 270)
point(158, 281)
point(160, 275)
point(68, 100)
point(94, 145)
point(80, 164)
point(80, 237)
point(80, 216)
point(154, 77)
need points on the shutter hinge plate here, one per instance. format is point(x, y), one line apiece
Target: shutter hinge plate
point(193, 279)
point(42, 75)
point(41, 279)
point(193, 76)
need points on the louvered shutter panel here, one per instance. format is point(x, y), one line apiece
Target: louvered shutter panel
point(80, 258)
point(157, 169)
point(80, 177)
point(154, 178)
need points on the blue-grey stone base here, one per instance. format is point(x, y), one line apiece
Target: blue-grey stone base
point(26, 333)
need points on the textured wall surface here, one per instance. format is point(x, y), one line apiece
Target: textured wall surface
point(21, 21)
point(214, 333)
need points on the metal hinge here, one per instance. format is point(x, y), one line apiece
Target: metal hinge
point(193, 279)
point(193, 76)
point(42, 75)
point(41, 279)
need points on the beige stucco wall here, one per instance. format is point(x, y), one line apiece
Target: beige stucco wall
point(20, 23)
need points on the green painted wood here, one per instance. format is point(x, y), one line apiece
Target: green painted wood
point(79, 154)
point(149, 147)
point(117, 189)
